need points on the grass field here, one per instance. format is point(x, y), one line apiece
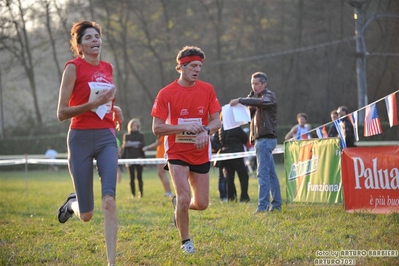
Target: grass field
point(224, 234)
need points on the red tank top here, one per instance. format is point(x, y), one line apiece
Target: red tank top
point(86, 73)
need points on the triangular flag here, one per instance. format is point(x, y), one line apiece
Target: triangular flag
point(372, 125)
point(390, 102)
point(341, 133)
point(353, 118)
point(305, 136)
point(321, 132)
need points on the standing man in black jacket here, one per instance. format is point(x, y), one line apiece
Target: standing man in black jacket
point(263, 106)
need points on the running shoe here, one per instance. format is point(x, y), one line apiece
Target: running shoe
point(63, 213)
point(188, 247)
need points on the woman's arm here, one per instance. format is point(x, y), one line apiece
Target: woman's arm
point(152, 145)
point(118, 117)
point(291, 133)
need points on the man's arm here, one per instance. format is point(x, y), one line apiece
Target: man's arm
point(265, 101)
point(262, 102)
point(214, 123)
point(160, 128)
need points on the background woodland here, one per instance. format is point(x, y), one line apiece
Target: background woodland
point(306, 47)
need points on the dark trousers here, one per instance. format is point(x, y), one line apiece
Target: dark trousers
point(132, 172)
point(222, 184)
point(232, 166)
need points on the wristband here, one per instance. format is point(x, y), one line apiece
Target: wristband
point(207, 129)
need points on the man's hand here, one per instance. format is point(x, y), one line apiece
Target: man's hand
point(234, 102)
point(202, 140)
point(194, 128)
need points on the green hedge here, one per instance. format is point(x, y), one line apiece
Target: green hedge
point(39, 144)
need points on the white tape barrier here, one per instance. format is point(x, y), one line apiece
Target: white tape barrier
point(215, 157)
point(12, 162)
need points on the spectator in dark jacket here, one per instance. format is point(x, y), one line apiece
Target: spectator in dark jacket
point(233, 140)
point(262, 104)
point(132, 145)
point(333, 132)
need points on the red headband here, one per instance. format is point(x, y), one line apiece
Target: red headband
point(190, 58)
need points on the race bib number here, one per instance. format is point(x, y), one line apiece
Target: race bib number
point(187, 137)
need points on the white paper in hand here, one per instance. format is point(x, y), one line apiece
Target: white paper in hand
point(241, 113)
point(95, 89)
point(101, 111)
point(235, 116)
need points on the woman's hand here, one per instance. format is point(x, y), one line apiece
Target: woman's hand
point(106, 96)
point(118, 117)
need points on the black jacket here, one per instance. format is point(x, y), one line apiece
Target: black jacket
point(332, 132)
point(263, 113)
point(135, 149)
point(349, 132)
point(227, 141)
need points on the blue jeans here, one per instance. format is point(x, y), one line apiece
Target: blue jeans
point(269, 184)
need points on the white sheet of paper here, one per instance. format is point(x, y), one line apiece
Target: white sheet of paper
point(101, 111)
point(241, 113)
point(235, 116)
point(95, 89)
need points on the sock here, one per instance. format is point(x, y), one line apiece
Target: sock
point(184, 241)
point(69, 210)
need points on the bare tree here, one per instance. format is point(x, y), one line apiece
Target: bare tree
point(46, 4)
point(142, 38)
point(15, 39)
point(62, 16)
point(115, 29)
point(215, 14)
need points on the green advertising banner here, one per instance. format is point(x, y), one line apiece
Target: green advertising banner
point(313, 170)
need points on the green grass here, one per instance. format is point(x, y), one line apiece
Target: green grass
point(224, 234)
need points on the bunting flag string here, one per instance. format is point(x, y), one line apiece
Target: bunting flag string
point(372, 125)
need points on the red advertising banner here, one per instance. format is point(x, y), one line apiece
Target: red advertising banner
point(370, 176)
